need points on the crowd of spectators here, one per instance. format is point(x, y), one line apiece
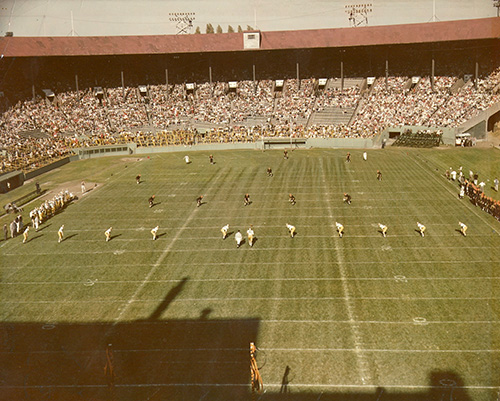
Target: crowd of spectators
point(41, 129)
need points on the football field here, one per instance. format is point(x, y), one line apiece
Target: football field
point(362, 317)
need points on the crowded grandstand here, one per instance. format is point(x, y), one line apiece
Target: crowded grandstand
point(52, 104)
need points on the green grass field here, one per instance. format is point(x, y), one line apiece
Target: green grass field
point(355, 318)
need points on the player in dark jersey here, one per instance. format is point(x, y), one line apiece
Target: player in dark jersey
point(246, 199)
point(269, 172)
point(347, 198)
point(379, 175)
point(151, 201)
point(291, 199)
point(199, 200)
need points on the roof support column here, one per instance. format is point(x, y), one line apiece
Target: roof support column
point(432, 73)
point(123, 84)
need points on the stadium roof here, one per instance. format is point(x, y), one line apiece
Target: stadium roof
point(475, 29)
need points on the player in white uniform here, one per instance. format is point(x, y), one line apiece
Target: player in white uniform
point(60, 233)
point(291, 229)
point(186, 159)
point(463, 228)
point(107, 233)
point(422, 228)
point(224, 231)
point(383, 228)
point(238, 237)
point(340, 229)
point(154, 231)
point(250, 235)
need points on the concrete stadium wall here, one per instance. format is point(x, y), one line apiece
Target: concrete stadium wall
point(335, 143)
point(47, 168)
point(212, 146)
point(478, 126)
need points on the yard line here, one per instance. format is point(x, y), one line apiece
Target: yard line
point(238, 350)
point(407, 322)
point(244, 299)
point(252, 279)
point(270, 249)
point(356, 263)
point(362, 362)
point(296, 386)
point(161, 258)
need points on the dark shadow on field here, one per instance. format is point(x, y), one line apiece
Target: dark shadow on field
point(146, 360)
point(69, 237)
point(43, 227)
point(114, 236)
point(285, 381)
point(229, 234)
point(174, 359)
point(161, 235)
point(172, 294)
point(459, 231)
point(34, 238)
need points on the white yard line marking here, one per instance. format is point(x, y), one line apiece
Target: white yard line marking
point(270, 249)
point(362, 361)
point(296, 386)
point(356, 263)
point(244, 299)
point(160, 259)
point(163, 350)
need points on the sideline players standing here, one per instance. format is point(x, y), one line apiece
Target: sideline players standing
point(291, 229)
point(348, 157)
point(238, 237)
point(83, 187)
point(107, 233)
point(365, 156)
point(250, 234)
point(224, 231)
point(285, 154)
point(421, 228)
point(211, 159)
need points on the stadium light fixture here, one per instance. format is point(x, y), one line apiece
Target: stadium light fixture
point(358, 13)
point(184, 22)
